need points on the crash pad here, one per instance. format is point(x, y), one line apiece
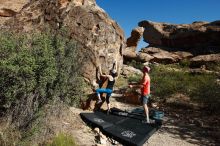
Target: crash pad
point(122, 126)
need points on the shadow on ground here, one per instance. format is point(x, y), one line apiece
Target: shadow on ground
point(196, 126)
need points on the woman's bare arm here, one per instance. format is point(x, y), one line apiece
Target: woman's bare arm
point(100, 71)
point(116, 66)
point(135, 85)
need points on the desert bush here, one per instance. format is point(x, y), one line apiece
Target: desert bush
point(42, 65)
point(121, 82)
point(208, 92)
point(9, 136)
point(135, 78)
point(200, 87)
point(62, 140)
point(213, 66)
point(184, 63)
point(166, 82)
point(135, 64)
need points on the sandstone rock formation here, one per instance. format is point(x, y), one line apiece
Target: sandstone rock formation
point(135, 37)
point(100, 39)
point(7, 12)
point(160, 55)
point(197, 38)
point(9, 8)
point(129, 55)
point(171, 43)
point(129, 71)
point(203, 59)
point(131, 44)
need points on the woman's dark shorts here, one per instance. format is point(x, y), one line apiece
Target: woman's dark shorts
point(145, 98)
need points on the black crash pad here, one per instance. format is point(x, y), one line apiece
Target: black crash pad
point(127, 128)
point(131, 132)
point(100, 119)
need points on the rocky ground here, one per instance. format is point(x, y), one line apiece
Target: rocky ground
point(181, 127)
point(178, 129)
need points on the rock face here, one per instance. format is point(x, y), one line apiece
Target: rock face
point(9, 8)
point(101, 40)
point(198, 37)
point(135, 37)
point(129, 70)
point(199, 43)
point(204, 59)
point(7, 12)
point(131, 44)
point(160, 55)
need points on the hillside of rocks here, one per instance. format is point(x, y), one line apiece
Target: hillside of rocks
point(199, 42)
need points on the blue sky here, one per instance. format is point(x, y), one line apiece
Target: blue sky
point(128, 13)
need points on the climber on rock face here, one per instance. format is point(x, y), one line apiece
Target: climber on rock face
point(109, 88)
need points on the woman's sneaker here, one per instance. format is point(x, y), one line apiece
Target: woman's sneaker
point(147, 122)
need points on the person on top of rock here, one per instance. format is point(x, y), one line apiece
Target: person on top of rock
point(109, 88)
point(145, 91)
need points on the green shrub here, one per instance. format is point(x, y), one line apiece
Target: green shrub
point(9, 136)
point(213, 66)
point(163, 83)
point(42, 64)
point(184, 63)
point(121, 82)
point(62, 140)
point(136, 64)
point(134, 78)
point(208, 92)
point(200, 87)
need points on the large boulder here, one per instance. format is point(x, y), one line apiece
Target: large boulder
point(101, 40)
point(8, 8)
point(172, 43)
point(197, 38)
point(129, 55)
point(160, 55)
point(131, 44)
point(7, 12)
point(130, 71)
point(132, 41)
point(204, 59)
point(144, 57)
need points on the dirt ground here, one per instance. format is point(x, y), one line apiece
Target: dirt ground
point(177, 129)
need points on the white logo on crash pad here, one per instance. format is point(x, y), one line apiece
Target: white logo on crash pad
point(122, 113)
point(128, 134)
point(98, 120)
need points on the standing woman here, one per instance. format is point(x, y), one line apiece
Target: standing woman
point(109, 88)
point(145, 91)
